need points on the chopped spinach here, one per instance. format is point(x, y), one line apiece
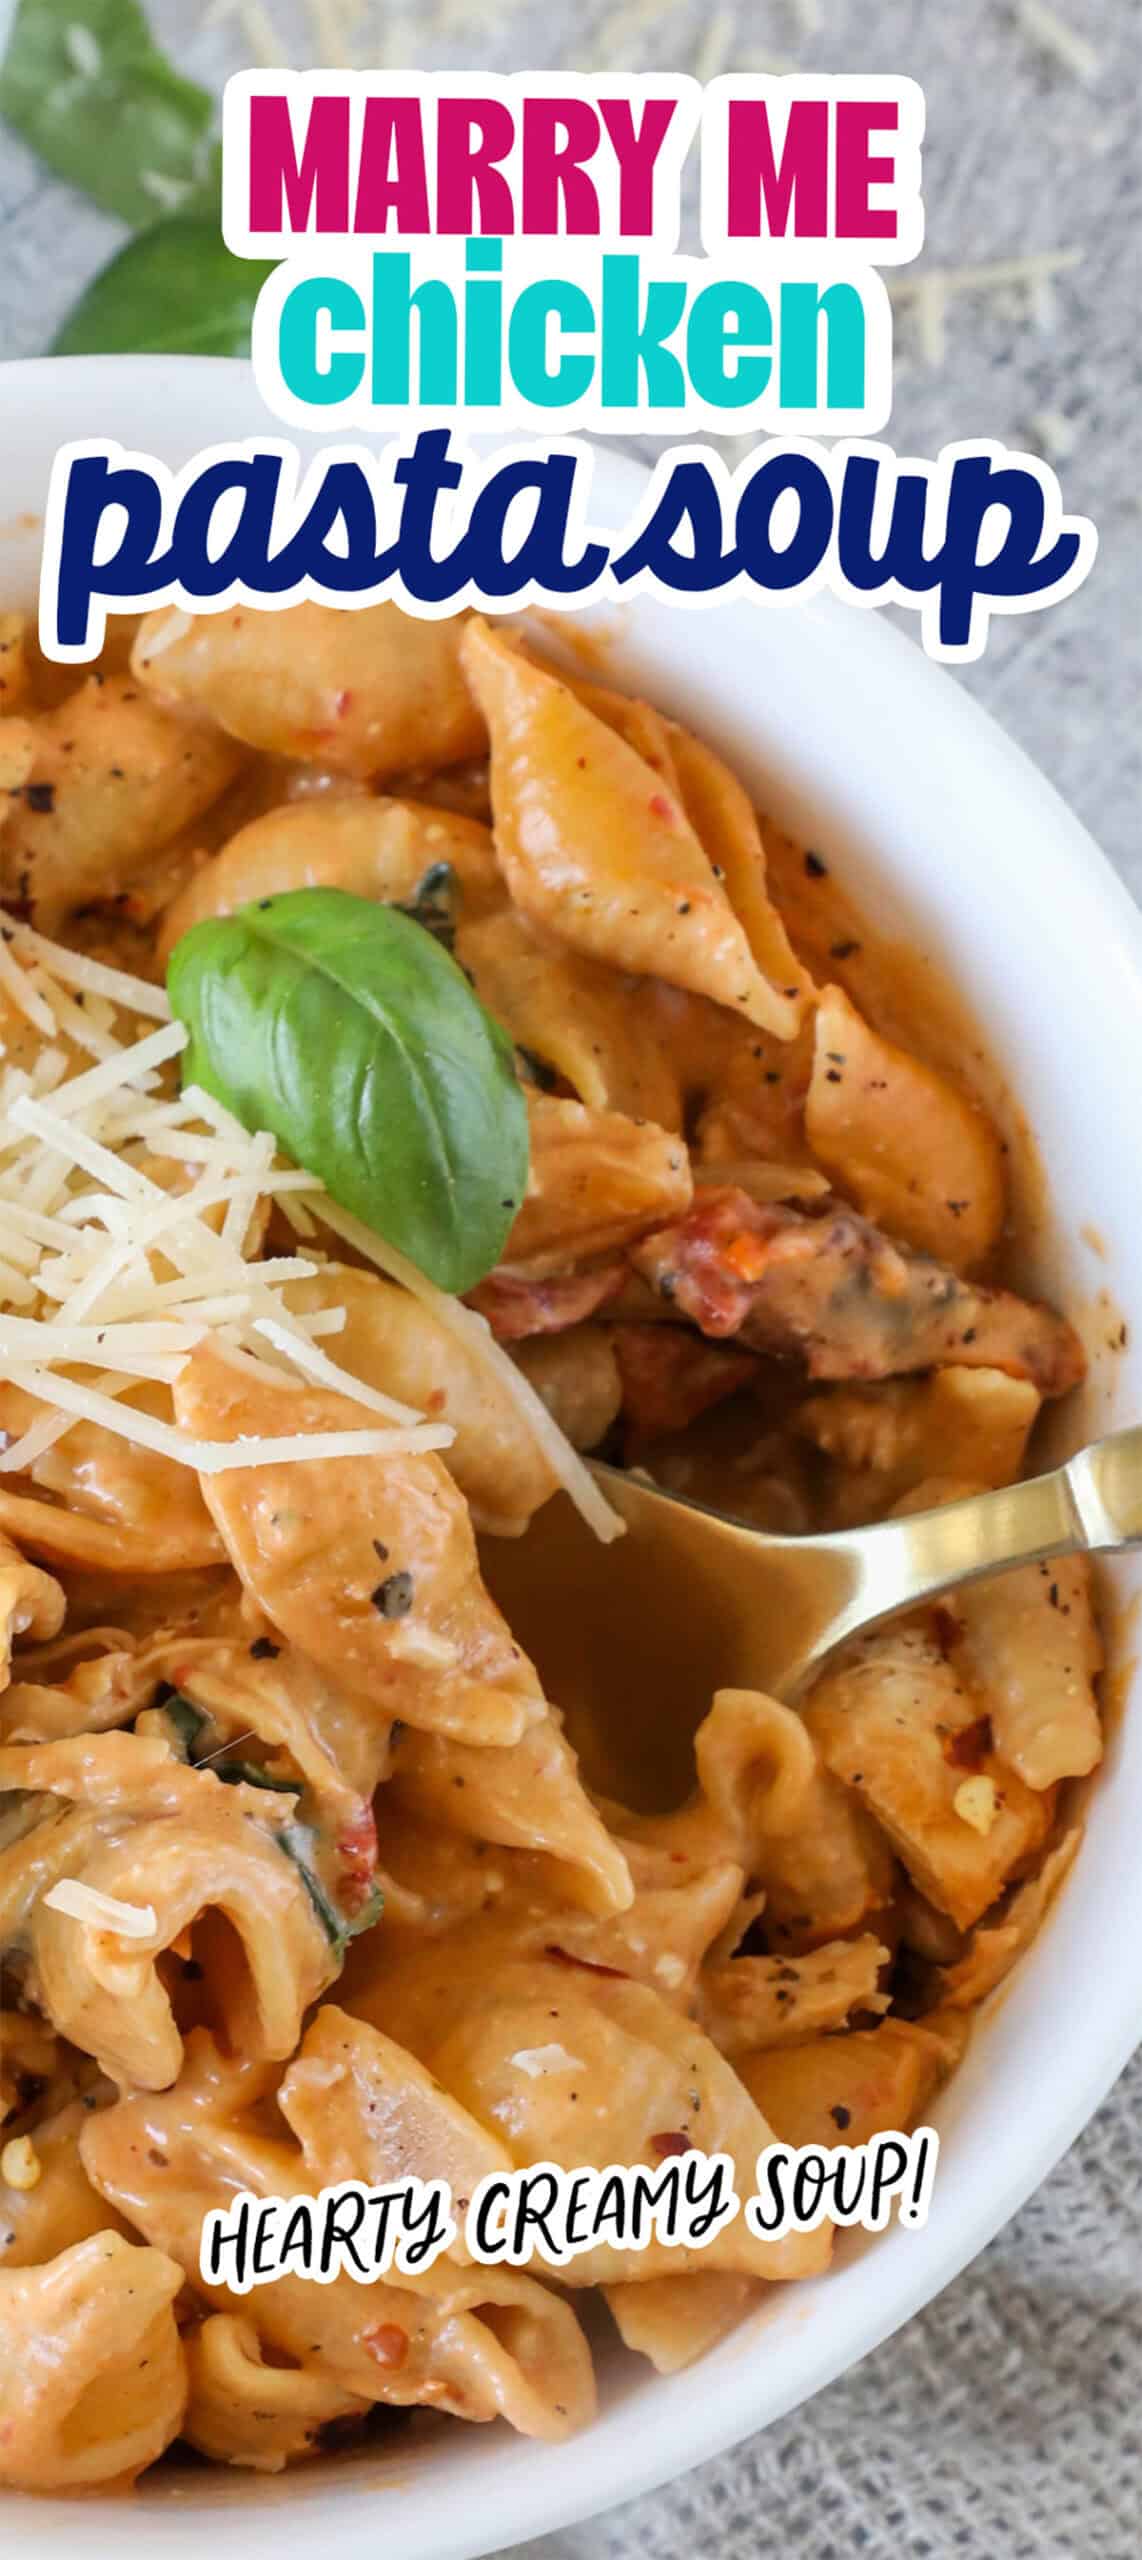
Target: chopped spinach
point(299, 1842)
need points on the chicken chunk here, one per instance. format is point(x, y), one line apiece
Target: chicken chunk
point(852, 1304)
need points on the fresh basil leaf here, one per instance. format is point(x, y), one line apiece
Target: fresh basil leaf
point(345, 1029)
point(83, 82)
point(175, 289)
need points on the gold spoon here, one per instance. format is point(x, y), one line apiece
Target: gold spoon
point(632, 1639)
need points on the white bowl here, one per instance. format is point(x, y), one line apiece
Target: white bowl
point(842, 728)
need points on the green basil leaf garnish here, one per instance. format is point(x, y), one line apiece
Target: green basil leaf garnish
point(174, 289)
point(84, 84)
point(346, 1030)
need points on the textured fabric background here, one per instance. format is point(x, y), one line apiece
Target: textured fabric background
point(1004, 2422)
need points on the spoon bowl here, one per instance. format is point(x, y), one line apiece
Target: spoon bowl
point(633, 1639)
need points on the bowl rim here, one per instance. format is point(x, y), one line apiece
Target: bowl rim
point(545, 2488)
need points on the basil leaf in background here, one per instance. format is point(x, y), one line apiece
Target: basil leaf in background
point(84, 84)
point(174, 289)
point(349, 1032)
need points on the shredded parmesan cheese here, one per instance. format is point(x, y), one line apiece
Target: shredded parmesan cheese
point(20, 2165)
point(1054, 435)
point(977, 1803)
point(75, 969)
point(220, 1457)
point(257, 26)
point(333, 24)
point(101, 1910)
point(476, 1333)
point(538, 2061)
point(110, 1269)
point(17, 983)
point(107, 1267)
point(327, 1373)
point(1056, 37)
point(714, 51)
point(930, 292)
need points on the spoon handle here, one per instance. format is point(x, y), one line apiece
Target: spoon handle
point(1093, 1502)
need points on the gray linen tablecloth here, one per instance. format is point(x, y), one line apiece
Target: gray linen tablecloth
point(1003, 2423)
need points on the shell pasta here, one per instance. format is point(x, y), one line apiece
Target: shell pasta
point(304, 1876)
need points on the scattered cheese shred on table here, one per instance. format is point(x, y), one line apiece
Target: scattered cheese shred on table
point(1055, 35)
point(930, 291)
point(716, 46)
point(254, 22)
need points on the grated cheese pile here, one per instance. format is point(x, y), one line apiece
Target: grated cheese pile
point(104, 1267)
point(107, 1271)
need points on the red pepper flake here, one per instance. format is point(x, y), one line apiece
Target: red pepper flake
point(842, 2117)
point(357, 1857)
point(387, 2345)
point(946, 1628)
point(670, 2146)
point(969, 1748)
point(661, 807)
